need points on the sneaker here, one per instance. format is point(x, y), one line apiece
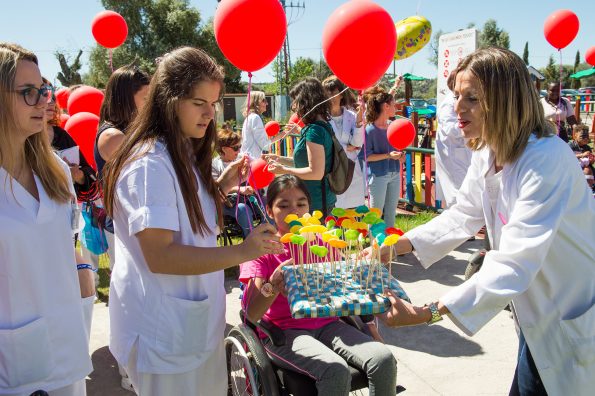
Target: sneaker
point(126, 384)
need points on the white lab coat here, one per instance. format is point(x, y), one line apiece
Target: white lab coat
point(543, 258)
point(453, 157)
point(254, 137)
point(350, 134)
point(43, 341)
point(176, 322)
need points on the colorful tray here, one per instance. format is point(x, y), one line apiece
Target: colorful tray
point(338, 289)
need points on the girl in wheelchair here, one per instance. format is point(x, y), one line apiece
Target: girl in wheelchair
point(320, 348)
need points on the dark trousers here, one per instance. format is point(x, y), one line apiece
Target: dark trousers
point(526, 380)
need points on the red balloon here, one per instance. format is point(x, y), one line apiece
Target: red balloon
point(400, 133)
point(560, 28)
point(63, 119)
point(62, 97)
point(83, 128)
point(366, 27)
point(295, 119)
point(85, 99)
point(590, 56)
point(260, 176)
point(272, 128)
point(236, 20)
point(109, 29)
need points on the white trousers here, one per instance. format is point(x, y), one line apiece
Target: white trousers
point(210, 379)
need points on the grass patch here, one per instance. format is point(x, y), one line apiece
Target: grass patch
point(104, 276)
point(408, 222)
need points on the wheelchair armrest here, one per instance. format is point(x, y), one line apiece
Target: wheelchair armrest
point(272, 331)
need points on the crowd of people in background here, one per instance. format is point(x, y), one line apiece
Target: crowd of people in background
point(166, 178)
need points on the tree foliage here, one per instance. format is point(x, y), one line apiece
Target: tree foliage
point(492, 36)
point(300, 69)
point(70, 72)
point(156, 27)
point(526, 53)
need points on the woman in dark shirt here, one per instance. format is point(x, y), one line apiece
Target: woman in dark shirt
point(83, 174)
point(312, 157)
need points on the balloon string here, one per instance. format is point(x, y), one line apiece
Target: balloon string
point(558, 115)
point(111, 65)
point(418, 5)
point(249, 91)
point(363, 109)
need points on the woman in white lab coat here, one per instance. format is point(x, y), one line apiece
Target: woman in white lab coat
point(43, 340)
point(167, 299)
point(523, 183)
point(349, 130)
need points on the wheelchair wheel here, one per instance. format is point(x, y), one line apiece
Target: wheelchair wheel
point(249, 370)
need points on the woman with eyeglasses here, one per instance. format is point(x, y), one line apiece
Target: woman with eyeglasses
point(240, 199)
point(43, 341)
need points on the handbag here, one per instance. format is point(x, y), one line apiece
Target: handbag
point(93, 235)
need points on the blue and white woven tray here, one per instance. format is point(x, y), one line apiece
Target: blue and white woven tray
point(314, 291)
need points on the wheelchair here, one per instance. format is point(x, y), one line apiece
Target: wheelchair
point(231, 228)
point(251, 372)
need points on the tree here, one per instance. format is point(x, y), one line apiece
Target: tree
point(526, 53)
point(576, 84)
point(156, 27)
point(552, 73)
point(433, 46)
point(70, 72)
point(491, 35)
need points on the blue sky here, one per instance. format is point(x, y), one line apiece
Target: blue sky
point(45, 27)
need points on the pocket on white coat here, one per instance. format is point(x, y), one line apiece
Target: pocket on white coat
point(580, 332)
point(25, 354)
point(182, 326)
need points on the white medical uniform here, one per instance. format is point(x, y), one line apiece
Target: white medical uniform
point(347, 133)
point(453, 157)
point(254, 137)
point(166, 330)
point(541, 221)
point(43, 341)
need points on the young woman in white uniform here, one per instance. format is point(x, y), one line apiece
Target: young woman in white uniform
point(167, 298)
point(43, 341)
point(524, 184)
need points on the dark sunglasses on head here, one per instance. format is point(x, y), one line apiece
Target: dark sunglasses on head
point(236, 148)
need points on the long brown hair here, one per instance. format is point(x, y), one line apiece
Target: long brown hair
point(176, 76)
point(38, 153)
point(118, 107)
point(512, 109)
point(308, 97)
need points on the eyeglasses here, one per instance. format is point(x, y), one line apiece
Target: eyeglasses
point(236, 148)
point(33, 95)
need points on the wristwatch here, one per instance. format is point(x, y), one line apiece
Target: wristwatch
point(267, 290)
point(436, 317)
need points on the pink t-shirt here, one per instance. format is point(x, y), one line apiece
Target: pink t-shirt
point(278, 313)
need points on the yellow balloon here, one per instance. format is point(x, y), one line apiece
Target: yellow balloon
point(358, 225)
point(317, 214)
point(413, 33)
point(328, 235)
point(377, 211)
point(295, 229)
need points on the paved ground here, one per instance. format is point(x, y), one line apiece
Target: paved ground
point(432, 360)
